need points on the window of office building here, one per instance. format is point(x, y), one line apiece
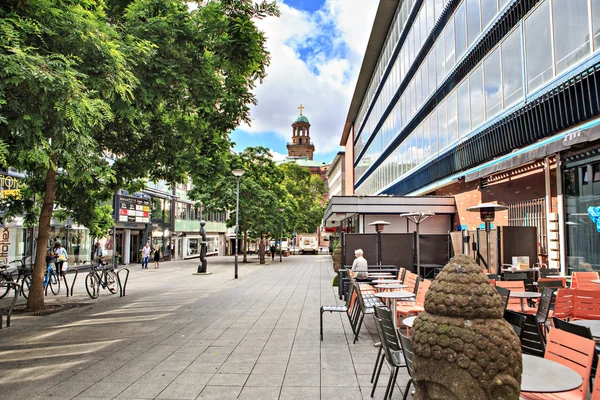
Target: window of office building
point(596, 23)
point(431, 65)
point(571, 32)
point(489, 8)
point(439, 7)
point(464, 118)
point(414, 146)
point(460, 29)
point(473, 22)
point(440, 60)
point(493, 84)
point(451, 114)
point(442, 127)
point(476, 97)
point(426, 139)
point(433, 123)
point(502, 3)
point(538, 47)
point(449, 47)
point(512, 68)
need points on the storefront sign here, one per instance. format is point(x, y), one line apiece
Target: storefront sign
point(134, 209)
point(5, 242)
point(10, 186)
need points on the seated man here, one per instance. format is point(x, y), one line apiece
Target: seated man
point(360, 266)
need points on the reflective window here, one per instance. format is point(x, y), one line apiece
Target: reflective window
point(439, 7)
point(449, 47)
point(452, 118)
point(424, 83)
point(538, 47)
point(442, 126)
point(432, 78)
point(512, 68)
point(430, 15)
point(571, 32)
point(433, 123)
point(440, 60)
point(423, 23)
point(464, 119)
point(493, 84)
point(596, 23)
point(473, 23)
point(460, 29)
point(489, 8)
point(476, 97)
point(502, 3)
point(414, 158)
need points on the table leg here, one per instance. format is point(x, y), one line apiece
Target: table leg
point(394, 313)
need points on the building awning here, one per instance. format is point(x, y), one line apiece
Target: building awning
point(561, 142)
point(342, 207)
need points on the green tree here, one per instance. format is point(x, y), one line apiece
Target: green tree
point(61, 68)
point(150, 83)
point(307, 190)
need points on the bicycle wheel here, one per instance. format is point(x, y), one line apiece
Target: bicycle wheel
point(92, 285)
point(25, 286)
point(54, 283)
point(4, 289)
point(111, 281)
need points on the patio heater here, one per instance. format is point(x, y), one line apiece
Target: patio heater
point(416, 218)
point(487, 213)
point(379, 225)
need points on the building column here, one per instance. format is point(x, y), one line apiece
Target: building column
point(561, 214)
point(126, 246)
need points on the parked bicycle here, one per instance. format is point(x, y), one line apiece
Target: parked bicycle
point(6, 275)
point(50, 279)
point(100, 275)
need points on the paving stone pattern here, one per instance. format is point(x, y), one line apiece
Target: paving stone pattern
point(180, 336)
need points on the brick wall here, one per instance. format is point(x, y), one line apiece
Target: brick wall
point(517, 185)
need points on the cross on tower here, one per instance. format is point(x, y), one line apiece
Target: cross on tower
point(301, 108)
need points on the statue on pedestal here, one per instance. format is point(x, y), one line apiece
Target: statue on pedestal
point(203, 242)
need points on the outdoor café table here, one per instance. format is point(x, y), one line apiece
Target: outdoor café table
point(388, 286)
point(393, 296)
point(545, 376)
point(525, 295)
point(593, 324)
point(409, 321)
point(377, 274)
point(385, 281)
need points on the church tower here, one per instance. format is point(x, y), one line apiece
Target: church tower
point(301, 146)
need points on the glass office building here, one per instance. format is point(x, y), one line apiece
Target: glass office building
point(461, 85)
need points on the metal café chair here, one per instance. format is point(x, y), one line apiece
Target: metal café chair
point(392, 349)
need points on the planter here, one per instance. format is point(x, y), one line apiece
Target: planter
point(337, 258)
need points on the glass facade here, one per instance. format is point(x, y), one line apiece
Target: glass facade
point(500, 81)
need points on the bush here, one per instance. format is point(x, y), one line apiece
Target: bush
point(336, 281)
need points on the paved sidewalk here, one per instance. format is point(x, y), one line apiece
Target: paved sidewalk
point(180, 336)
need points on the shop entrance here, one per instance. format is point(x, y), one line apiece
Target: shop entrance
point(119, 246)
point(134, 249)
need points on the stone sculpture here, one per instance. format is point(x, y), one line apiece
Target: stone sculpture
point(203, 263)
point(463, 348)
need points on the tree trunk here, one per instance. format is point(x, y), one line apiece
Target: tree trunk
point(261, 250)
point(35, 301)
point(245, 237)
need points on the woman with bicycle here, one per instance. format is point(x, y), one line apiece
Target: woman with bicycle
point(61, 257)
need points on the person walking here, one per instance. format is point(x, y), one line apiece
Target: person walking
point(60, 259)
point(146, 250)
point(156, 257)
point(272, 250)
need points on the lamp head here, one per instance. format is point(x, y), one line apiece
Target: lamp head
point(238, 172)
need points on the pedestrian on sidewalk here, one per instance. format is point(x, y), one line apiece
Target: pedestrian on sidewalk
point(272, 250)
point(156, 257)
point(146, 255)
point(60, 259)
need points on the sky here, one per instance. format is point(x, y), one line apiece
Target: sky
point(316, 47)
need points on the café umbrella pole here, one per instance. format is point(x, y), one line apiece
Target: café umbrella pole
point(417, 218)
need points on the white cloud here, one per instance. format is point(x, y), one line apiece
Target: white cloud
point(335, 38)
point(277, 156)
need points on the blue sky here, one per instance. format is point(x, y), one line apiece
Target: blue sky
point(316, 50)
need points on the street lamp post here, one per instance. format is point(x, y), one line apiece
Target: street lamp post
point(237, 173)
point(281, 210)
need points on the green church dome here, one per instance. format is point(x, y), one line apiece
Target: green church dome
point(301, 118)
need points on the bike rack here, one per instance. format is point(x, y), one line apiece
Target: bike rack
point(17, 288)
point(72, 283)
point(124, 285)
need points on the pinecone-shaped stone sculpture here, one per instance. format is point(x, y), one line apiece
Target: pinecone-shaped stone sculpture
point(463, 348)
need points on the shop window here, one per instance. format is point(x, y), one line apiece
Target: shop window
point(596, 172)
point(584, 175)
point(571, 32)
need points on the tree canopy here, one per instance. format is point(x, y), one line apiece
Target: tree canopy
point(101, 95)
